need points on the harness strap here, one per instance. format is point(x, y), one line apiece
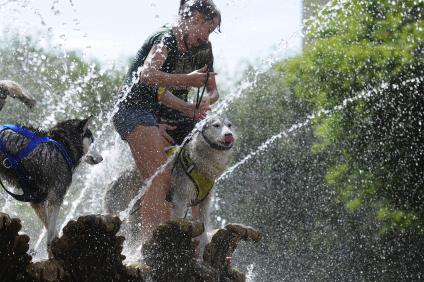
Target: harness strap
point(35, 141)
point(202, 183)
point(15, 162)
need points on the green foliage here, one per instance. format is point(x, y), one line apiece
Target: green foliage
point(365, 64)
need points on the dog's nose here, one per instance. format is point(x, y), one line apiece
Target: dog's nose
point(93, 159)
point(229, 138)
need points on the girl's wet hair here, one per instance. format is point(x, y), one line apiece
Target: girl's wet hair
point(205, 7)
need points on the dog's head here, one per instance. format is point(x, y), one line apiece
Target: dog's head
point(218, 132)
point(78, 134)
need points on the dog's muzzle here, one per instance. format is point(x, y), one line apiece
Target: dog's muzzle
point(93, 158)
point(228, 139)
point(227, 144)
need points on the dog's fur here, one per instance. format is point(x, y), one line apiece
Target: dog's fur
point(210, 161)
point(46, 165)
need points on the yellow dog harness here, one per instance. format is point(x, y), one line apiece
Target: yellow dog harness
point(203, 183)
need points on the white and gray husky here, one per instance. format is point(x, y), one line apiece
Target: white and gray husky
point(41, 163)
point(194, 170)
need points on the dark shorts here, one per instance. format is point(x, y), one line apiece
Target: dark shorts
point(126, 119)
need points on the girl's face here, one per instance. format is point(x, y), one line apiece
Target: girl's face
point(199, 30)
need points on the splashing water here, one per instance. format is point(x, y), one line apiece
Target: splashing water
point(250, 275)
point(265, 145)
point(116, 153)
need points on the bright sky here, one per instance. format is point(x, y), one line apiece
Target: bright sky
point(111, 31)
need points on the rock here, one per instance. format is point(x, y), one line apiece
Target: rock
point(170, 252)
point(139, 271)
point(222, 246)
point(90, 250)
point(13, 250)
point(49, 270)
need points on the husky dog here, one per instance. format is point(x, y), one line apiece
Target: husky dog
point(41, 164)
point(194, 170)
point(14, 90)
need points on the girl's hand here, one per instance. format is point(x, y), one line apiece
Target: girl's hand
point(198, 77)
point(197, 114)
point(200, 113)
point(211, 81)
point(163, 127)
point(206, 101)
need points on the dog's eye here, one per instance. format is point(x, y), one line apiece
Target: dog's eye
point(229, 125)
point(216, 125)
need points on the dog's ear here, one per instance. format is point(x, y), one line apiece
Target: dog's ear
point(85, 122)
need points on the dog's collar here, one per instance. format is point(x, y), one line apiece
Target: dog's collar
point(213, 145)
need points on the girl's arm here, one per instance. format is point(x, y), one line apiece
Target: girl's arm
point(212, 90)
point(171, 101)
point(151, 74)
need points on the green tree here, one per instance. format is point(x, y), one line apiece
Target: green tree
point(64, 85)
point(365, 65)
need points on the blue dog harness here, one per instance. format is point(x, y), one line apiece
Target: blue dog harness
point(14, 161)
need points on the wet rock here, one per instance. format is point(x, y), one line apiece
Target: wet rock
point(225, 241)
point(170, 252)
point(49, 270)
point(13, 250)
point(89, 250)
point(219, 251)
point(139, 271)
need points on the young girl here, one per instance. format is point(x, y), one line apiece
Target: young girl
point(170, 61)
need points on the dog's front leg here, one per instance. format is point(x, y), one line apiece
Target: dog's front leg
point(204, 218)
point(52, 212)
point(178, 208)
point(40, 210)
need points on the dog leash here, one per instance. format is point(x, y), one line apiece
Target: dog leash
point(200, 97)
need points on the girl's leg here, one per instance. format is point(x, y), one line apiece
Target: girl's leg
point(148, 151)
